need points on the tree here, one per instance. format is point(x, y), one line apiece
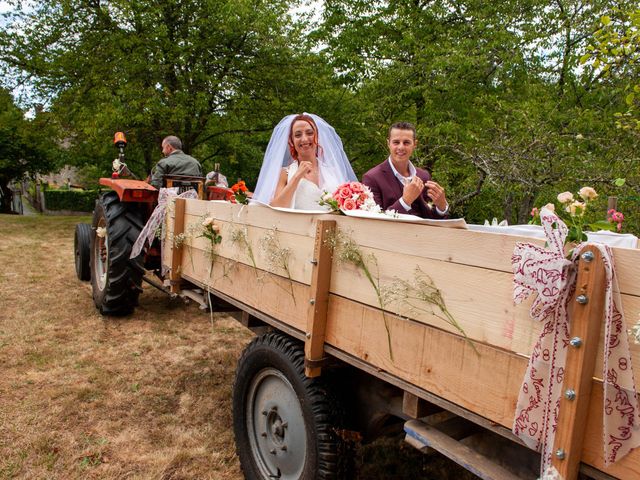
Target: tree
point(151, 68)
point(615, 53)
point(26, 146)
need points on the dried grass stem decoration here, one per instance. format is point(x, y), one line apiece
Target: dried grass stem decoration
point(420, 292)
point(239, 237)
point(348, 251)
point(277, 256)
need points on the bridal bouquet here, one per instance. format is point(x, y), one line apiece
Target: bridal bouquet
point(351, 196)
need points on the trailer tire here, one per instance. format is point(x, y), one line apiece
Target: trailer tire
point(285, 424)
point(82, 251)
point(115, 279)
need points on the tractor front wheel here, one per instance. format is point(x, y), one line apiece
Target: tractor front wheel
point(82, 250)
point(115, 279)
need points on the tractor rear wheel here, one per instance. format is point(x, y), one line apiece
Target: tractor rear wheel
point(82, 250)
point(115, 279)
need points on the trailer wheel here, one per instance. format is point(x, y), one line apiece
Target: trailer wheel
point(284, 422)
point(82, 250)
point(115, 279)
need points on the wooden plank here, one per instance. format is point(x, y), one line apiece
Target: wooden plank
point(274, 295)
point(448, 245)
point(487, 384)
point(586, 320)
point(456, 451)
point(258, 216)
point(463, 246)
point(480, 300)
point(416, 407)
point(176, 257)
point(167, 248)
point(266, 244)
point(319, 301)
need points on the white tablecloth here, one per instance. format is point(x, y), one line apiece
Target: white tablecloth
point(625, 240)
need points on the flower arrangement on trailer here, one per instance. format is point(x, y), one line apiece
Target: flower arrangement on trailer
point(572, 212)
point(240, 192)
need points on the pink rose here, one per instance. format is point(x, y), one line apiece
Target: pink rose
point(344, 192)
point(617, 217)
point(357, 187)
point(349, 204)
point(534, 212)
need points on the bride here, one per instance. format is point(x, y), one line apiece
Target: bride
point(304, 159)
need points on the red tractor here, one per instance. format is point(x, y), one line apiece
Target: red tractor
point(102, 249)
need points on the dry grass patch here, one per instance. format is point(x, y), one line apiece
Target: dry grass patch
point(147, 396)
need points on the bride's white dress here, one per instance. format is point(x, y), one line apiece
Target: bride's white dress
point(308, 194)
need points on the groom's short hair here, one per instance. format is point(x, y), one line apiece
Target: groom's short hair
point(402, 126)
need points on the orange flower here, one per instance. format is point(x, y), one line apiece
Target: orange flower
point(240, 186)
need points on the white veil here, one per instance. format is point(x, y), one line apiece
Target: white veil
point(333, 164)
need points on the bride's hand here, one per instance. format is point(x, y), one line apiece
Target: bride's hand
point(304, 168)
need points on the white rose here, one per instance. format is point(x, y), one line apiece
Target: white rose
point(565, 197)
point(551, 207)
point(576, 208)
point(101, 232)
point(587, 193)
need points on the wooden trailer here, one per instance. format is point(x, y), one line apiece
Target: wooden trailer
point(424, 313)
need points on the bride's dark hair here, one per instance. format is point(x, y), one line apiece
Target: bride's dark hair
point(310, 121)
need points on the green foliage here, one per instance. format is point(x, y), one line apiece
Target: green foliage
point(89, 175)
point(73, 200)
point(26, 146)
point(615, 52)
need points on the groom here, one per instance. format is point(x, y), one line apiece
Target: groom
point(397, 185)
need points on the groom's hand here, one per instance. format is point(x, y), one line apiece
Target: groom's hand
point(412, 190)
point(437, 195)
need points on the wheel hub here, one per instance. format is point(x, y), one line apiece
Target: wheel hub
point(276, 426)
point(101, 257)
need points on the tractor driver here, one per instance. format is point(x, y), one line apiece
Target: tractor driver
point(176, 162)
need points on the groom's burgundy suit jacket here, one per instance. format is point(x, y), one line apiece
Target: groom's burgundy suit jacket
point(387, 191)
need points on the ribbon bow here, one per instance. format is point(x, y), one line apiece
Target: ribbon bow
point(149, 230)
point(546, 272)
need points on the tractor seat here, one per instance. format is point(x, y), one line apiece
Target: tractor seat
point(185, 183)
